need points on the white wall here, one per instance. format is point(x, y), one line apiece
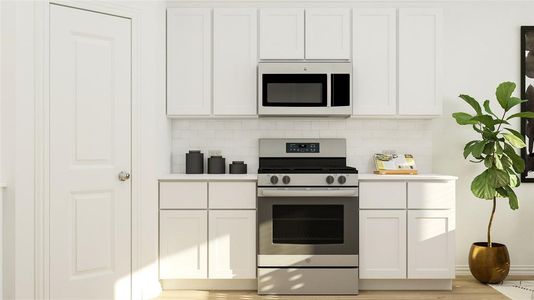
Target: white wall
point(481, 50)
point(238, 139)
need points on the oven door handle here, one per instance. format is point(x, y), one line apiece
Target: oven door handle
point(307, 192)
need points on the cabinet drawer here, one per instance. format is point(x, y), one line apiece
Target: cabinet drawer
point(431, 195)
point(380, 194)
point(232, 195)
point(179, 195)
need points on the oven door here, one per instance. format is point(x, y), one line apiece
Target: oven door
point(308, 226)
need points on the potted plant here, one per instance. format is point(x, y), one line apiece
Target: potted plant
point(489, 262)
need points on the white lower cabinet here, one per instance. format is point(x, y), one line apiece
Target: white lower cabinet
point(431, 244)
point(382, 244)
point(183, 247)
point(415, 242)
point(232, 244)
point(215, 242)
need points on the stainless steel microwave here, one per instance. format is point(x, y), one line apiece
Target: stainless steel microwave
point(305, 89)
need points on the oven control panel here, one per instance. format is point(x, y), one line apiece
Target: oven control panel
point(302, 147)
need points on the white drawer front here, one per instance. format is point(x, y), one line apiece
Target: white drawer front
point(379, 194)
point(236, 195)
point(183, 195)
point(431, 195)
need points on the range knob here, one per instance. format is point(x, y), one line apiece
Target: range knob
point(342, 179)
point(286, 179)
point(274, 179)
point(329, 179)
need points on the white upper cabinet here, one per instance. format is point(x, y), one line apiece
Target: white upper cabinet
point(281, 33)
point(235, 59)
point(431, 244)
point(419, 61)
point(328, 33)
point(188, 61)
point(375, 61)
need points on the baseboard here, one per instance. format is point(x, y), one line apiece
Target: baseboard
point(209, 284)
point(522, 270)
point(405, 284)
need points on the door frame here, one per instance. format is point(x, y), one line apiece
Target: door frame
point(42, 136)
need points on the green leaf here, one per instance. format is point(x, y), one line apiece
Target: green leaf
point(474, 103)
point(514, 180)
point(468, 147)
point(463, 118)
point(477, 130)
point(518, 164)
point(487, 120)
point(488, 161)
point(512, 198)
point(504, 92)
point(482, 187)
point(500, 178)
point(525, 114)
point(516, 133)
point(514, 101)
point(478, 148)
point(514, 140)
point(487, 108)
point(498, 162)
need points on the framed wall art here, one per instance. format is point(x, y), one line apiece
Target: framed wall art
point(527, 93)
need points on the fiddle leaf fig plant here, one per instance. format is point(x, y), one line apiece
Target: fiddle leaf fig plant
point(495, 148)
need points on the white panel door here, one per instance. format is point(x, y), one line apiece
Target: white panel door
point(90, 103)
point(375, 61)
point(235, 60)
point(328, 33)
point(431, 244)
point(382, 244)
point(183, 244)
point(419, 61)
point(232, 244)
point(188, 61)
point(281, 33)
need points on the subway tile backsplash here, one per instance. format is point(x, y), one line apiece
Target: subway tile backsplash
point(238, 139)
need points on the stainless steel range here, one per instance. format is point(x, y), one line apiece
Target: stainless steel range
point(307, 218)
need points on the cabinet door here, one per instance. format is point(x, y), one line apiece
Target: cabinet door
point(235, 59)
point(183, 239)
point(382, 244)
point(281, 33)
point(431, 244)
point(232, 250)
point(188, 61)
point(419, 61)
point(328, 33)
point(375, 61)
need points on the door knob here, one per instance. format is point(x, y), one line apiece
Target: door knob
point(123, 176)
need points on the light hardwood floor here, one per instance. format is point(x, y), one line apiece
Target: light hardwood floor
point(464, 288)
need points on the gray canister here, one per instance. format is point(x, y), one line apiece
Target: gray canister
point(238, 167)
point(216, 165)
point(194, 162)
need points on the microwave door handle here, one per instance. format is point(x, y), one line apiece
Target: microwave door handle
point(307, 192)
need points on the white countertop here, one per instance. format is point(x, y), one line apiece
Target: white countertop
point(406, 177)
point(241, 177)
point(212, 177)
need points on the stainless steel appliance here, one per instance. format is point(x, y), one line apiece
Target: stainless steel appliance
point(307, 218)
point(305, 89)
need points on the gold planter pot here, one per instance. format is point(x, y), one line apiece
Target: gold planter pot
point(489, 264)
